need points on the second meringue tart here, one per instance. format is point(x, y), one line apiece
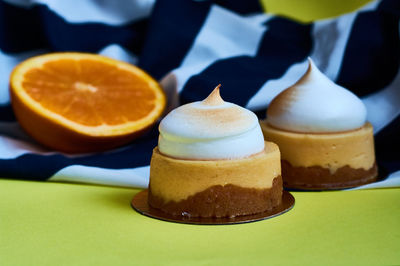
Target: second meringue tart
point(212, 161)
point(322, 132)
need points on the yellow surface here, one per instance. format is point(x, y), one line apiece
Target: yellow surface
point(309, 10)
point(332, 150)
point(69, 224)
point(169, 177)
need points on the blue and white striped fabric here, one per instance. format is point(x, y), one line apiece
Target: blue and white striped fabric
point(190, 46)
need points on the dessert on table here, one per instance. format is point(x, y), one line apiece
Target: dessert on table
point(212, 161)
point(322, 132)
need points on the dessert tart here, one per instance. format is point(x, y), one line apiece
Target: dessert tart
point(212, 161)
point(323, 134)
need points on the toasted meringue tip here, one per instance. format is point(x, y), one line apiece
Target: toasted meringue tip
point(311, 64)
point(311, 67)
point(214, 98)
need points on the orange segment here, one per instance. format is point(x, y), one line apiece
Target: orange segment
point(86, 96)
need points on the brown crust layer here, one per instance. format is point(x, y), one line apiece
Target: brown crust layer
point(223, 201)
point(317, 178)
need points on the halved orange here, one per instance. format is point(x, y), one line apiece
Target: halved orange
point(80, 102)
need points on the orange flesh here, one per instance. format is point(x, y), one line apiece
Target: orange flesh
point(89, 92)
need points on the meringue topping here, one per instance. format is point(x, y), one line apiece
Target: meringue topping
point(210, 129)
point(315, 104)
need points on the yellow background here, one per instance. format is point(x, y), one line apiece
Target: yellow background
point(71, 224)
point(309, 10)
point(68, 224)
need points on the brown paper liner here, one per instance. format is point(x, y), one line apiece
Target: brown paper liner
point(141, 205)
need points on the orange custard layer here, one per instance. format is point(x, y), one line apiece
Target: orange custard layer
point(332, 151)
point(176, 179)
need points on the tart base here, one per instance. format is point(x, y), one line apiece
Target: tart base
point(319, 178)
point(223, 201)
point(140, 204)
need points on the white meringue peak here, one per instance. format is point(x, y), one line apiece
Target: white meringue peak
point(210, 129)
point(315, 104)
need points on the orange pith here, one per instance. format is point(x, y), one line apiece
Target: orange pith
point(85, 94)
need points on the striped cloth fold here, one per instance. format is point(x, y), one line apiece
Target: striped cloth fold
point(190, 46)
